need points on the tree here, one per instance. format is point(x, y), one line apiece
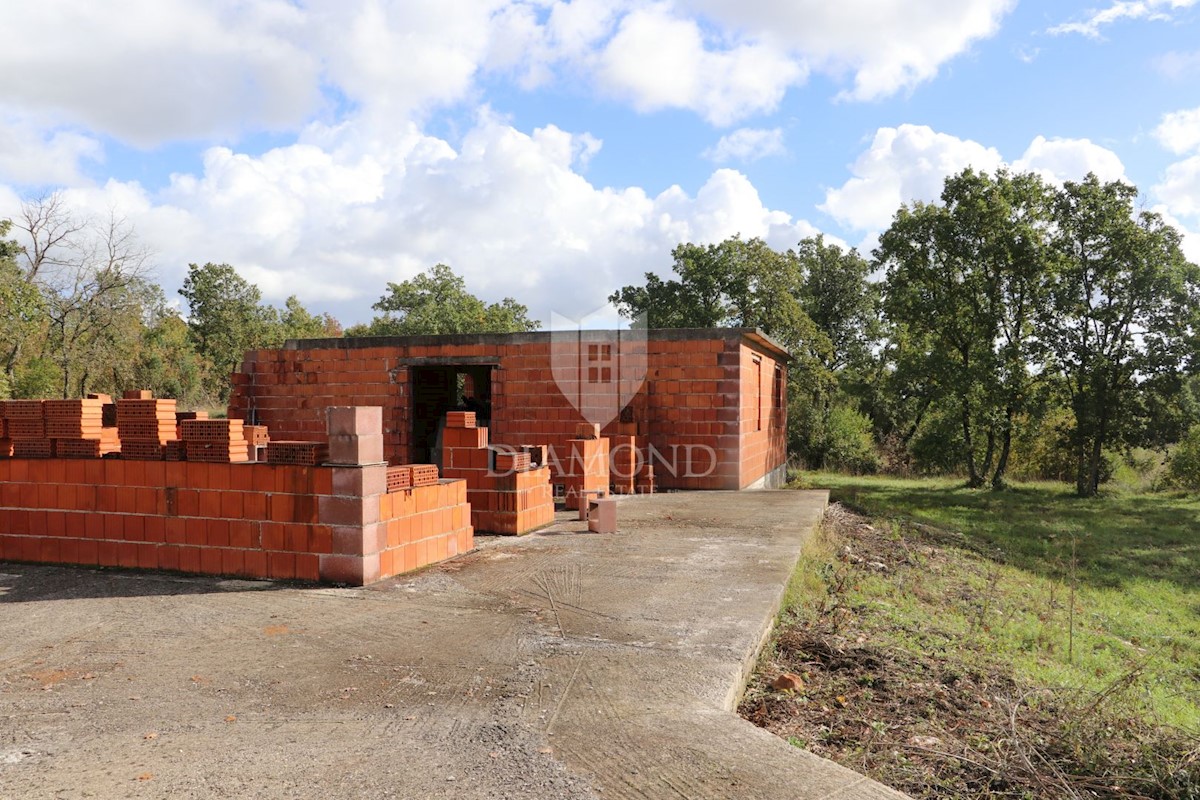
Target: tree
point(963, 286)
point(437, 302)
point(836, 293)
point(21, 307)
point(225, 319)
point(89, 272)
point(1124, 307)
point(746, 283)
point(166, 361)
point(297, 322)
point(825, 417)
point(734, 283)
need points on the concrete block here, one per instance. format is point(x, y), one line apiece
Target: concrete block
point(347, 511)
point(602, 515)
point(356, 449)
point(360, 481)
point(354, 420)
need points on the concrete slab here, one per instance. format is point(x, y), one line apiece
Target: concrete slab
point(562, 664)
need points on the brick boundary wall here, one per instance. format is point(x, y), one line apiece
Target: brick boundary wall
point(333, 523)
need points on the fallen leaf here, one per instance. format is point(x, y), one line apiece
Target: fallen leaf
point(231, 718)
point(146, 776)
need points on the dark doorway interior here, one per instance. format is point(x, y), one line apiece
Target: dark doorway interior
point(442, 388)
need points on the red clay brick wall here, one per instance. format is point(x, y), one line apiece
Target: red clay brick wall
point(289, 390)
point(423, 526)
point(252, 520)
point(763, 426)
point(692, 406)
point(692, 413)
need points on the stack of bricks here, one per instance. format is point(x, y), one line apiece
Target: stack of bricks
point(219, 441)
point(145, 425)
point(507, 493)
point(5, 442)
point(380, 526)
point(182, 416)
point(304, 454)
point(26, 429)
point(587, 470)
point(77, 428)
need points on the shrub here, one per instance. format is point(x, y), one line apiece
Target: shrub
point(850, 446)
point(1184, 468)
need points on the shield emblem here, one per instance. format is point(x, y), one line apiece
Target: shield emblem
point(598, 371)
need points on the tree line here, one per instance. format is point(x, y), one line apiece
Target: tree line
point(80, 312)
point(1013, 327)
point(1013, 323)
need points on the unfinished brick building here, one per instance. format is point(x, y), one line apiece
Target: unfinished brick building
point(708, 406)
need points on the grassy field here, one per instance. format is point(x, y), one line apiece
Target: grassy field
point(1136, 574)
point(1082, 616)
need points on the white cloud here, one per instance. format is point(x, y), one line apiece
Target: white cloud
point(335, 216)
point(150, 70)
point(911, 163)
point(1176, 65)
point(659, 60)
point(728, 59)
point(901, 165)
point(1058, 160)
point(1190, 244)
point(1157, 10)
point(746, 145)
point(33, 153)
point(398, 58)
point(1179, 131)
point(888, 45)
point(1179, 189)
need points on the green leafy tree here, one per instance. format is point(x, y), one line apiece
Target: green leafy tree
point(1184, 466)
point(1124, 305)
point(297, 322)
point(746, 283)
point(165, 360)
point(21, 307)
point(225, 319)
point(964, 284)
point(843, 304)
point(838, 296)
point(90, 274)
point(437, 302)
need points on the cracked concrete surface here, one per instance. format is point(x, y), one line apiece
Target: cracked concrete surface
point(562, 664)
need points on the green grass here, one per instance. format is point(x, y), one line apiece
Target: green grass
point(1016, 558)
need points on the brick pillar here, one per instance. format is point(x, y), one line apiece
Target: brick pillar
point(352, 510)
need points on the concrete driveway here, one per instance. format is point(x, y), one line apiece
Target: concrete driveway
point(559, 665)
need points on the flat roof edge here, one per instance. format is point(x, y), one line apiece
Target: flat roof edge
point(755, 335)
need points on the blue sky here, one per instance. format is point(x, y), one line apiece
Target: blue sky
point(553, 151)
